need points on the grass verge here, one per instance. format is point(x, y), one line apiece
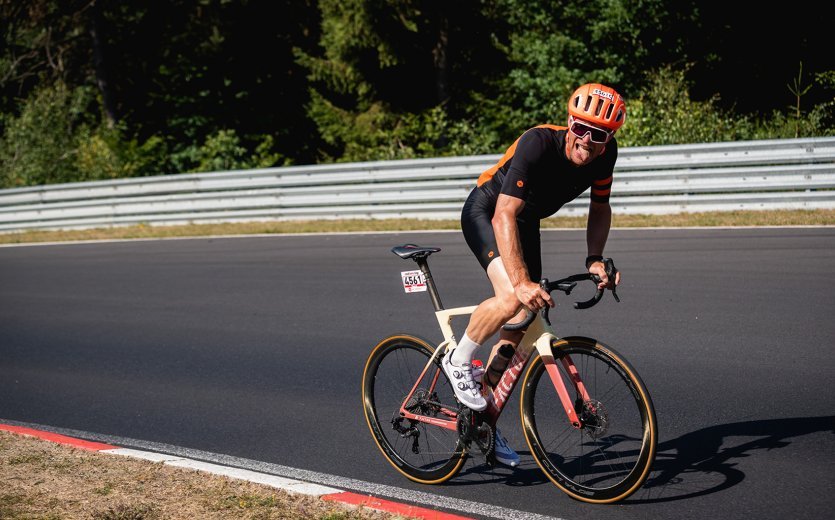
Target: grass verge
point(732, 218)
point(44, 480)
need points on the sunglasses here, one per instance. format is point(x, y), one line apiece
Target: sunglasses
point(598, 135)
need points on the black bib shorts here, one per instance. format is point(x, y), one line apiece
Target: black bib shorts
point(476, 223)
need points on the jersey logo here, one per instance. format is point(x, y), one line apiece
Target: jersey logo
point(490, 254)
point(520, 183)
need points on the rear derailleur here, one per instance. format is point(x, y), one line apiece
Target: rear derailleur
point(421, 403)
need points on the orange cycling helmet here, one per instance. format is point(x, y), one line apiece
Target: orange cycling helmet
point(598, 104)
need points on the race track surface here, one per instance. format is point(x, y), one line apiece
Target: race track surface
point(254, 347)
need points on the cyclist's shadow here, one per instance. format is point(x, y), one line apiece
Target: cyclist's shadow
point(695, 464)
point(706, 461)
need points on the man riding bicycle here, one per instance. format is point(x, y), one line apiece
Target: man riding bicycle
point(547, 167)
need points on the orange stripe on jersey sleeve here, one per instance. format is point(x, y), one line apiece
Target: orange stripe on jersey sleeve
point(489, 173)
point(600, 189)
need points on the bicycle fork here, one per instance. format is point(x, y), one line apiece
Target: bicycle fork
point(542, 344)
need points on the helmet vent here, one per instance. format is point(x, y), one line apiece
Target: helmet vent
point(597, 103)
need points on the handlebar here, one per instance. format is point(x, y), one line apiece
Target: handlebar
point(566, 285)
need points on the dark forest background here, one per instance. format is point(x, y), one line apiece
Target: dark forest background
point(107, 89)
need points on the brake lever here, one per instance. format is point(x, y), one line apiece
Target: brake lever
point(567, 285)
point(611, 273)
point(530, 315)
point(544, 284)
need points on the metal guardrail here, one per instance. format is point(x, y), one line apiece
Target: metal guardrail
point(768, 174)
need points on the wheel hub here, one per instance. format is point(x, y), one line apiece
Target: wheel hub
point(594, 418)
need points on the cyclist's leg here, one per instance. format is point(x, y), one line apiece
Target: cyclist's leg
point(477, 227)
point(491, 313)
point(501, 282)
point(494, 312)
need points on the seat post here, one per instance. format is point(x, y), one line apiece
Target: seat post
point(423, 263)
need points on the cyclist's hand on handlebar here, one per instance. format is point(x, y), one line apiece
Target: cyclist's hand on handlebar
point(599, 269)
point(533, 296)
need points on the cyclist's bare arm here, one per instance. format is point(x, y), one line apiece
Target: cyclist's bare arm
point(510, 248)
point(597, 232)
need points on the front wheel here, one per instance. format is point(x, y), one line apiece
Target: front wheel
point(609, 456)
point(396, 370)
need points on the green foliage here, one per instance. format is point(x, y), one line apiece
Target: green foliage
point(377, 133)
point(106, 153)
point(380, 81)
point(39, 145)
point(664, 113)
point(352, 120)
point(224, 151)
point(551, 52)
point(554, 47)
point(825, 110)
point(39, 45)
point(59, 136)
point(102, 90)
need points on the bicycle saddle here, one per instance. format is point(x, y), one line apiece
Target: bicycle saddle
point(413, 250)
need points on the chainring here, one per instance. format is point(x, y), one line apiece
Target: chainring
point(474, 430)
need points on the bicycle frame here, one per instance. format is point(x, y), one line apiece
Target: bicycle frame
point(606, 459)
point(539, 336)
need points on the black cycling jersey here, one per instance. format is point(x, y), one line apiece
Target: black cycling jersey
point(536, 170)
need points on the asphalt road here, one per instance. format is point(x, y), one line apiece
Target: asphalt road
point(254, 347)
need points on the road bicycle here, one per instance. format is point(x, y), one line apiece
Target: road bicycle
point(586, 415)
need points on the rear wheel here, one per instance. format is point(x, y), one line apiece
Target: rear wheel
point(422, 452)
point(609, 457)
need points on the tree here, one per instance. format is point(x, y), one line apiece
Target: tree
point(187, 70)
point(388, 75)
point(43, 42)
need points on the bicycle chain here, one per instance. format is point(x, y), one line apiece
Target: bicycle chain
point(472, 429)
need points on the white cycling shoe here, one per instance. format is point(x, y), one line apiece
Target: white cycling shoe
point(505, 453)
point(466, 389)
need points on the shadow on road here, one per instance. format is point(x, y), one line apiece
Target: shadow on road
point(698, 463)
point(706, 461)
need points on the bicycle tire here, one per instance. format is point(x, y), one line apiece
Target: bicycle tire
point(611, 456)
point(390, 373)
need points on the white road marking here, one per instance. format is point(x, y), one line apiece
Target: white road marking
point(285, 477)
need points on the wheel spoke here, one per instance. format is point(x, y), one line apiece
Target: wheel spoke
point(421, 451)
point(608, 455)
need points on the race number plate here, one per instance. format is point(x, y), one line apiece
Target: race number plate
point(413, 281)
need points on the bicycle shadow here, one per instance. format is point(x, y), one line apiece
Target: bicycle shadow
point(706, 461)
point(699, 463)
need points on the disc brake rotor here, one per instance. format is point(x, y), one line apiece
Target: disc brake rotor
point(595, 419)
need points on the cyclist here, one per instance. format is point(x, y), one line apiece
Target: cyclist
point(547, 167)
